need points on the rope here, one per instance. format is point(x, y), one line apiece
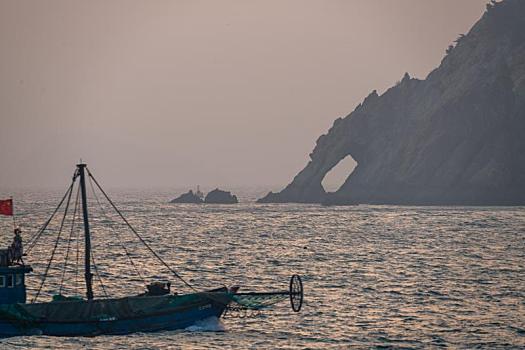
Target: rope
point(69, 240)
point(36, 236)
point(98, 275)
point(56, 242)
point(116, 233)
point(138, 236)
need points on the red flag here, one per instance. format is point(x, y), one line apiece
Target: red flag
point(6, 207)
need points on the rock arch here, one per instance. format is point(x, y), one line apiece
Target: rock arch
point(338, 174)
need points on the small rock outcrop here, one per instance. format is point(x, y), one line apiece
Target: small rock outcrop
point(454, 138)
point(188, 197)
point(220, 197)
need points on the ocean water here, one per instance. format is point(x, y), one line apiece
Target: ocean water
point(374, 276)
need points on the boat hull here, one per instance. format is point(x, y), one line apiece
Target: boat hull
point(196, 307)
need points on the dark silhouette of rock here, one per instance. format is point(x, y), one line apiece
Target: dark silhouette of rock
point(188, 197)
point(220, 197)
point(457, 137)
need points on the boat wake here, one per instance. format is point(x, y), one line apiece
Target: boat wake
point(210, 324)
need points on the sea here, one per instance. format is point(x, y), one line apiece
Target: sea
point(375, 277)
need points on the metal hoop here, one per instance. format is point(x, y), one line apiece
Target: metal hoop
point(296, 293)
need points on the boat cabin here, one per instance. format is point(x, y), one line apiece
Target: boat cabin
point(12, 280)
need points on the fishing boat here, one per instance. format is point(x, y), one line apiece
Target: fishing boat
point(156, 309)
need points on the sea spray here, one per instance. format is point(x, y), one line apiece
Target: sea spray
point(210, 324)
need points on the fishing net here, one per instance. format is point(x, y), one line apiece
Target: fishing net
point(258, 301)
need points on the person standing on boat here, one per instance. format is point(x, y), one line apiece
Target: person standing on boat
point(17, 249)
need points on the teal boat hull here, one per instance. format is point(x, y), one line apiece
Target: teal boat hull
point(178, 312)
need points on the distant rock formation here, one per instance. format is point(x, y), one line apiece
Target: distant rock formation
point(220, 197)
point(457, 137)
point(188, 197)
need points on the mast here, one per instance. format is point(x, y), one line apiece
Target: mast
point(87, 238)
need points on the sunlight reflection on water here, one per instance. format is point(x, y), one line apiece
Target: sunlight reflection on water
point(374, 276)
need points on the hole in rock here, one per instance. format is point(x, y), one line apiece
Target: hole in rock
point(337, 176)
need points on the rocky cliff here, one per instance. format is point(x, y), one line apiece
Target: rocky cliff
point(457, 137)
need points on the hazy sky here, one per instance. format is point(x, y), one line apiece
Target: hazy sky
point(218, 93)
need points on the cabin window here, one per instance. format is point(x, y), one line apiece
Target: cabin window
point(18, 279)
point(2, 281)
point(10, 281)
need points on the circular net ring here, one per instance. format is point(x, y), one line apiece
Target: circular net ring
point(296, 293)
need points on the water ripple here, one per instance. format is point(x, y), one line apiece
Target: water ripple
point(375, 276)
